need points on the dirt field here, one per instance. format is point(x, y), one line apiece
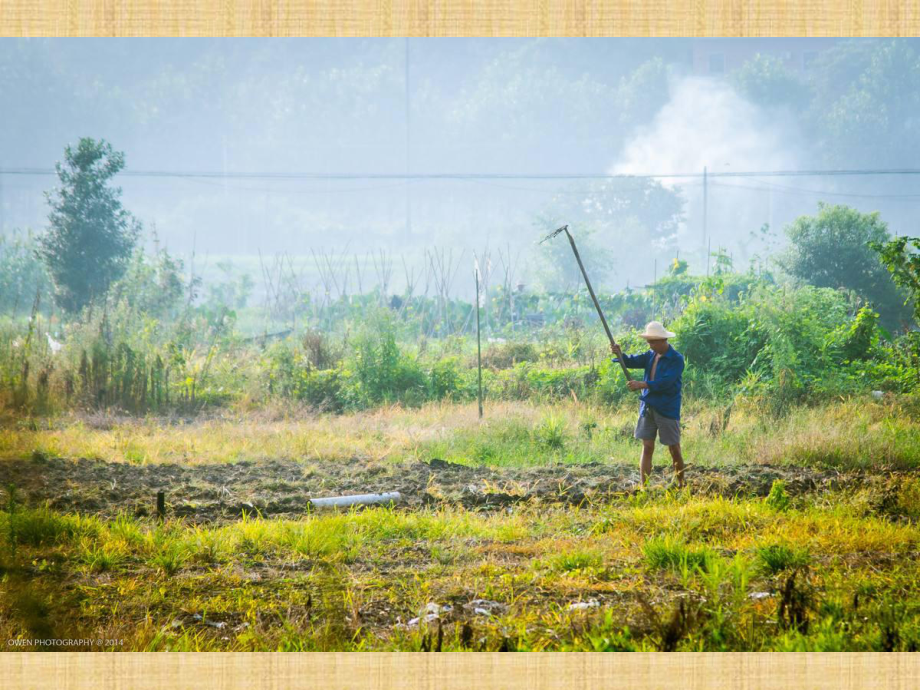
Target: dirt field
point(203, 493)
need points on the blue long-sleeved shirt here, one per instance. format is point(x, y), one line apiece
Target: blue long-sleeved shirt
point(662, 394)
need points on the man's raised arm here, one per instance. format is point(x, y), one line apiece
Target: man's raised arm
point(631, 361)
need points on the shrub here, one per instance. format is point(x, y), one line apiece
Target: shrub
point(611, 386)
point(384, 372)
point(553, 383)
point(859, 339)
point(719, 339)
point(319, 351)
point(292, 374)
point(506, 355)
point(321, 389)
point(152, 285)
point(445, 379)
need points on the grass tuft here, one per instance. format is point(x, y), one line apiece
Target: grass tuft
point(776, 558)
point(667, 553)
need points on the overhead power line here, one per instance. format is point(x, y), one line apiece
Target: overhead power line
point(783, 189)
point(480, 176)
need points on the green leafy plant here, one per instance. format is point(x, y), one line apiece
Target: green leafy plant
point(552, 432)
point(778, 499)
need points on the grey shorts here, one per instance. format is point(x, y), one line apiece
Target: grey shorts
point(668, 429)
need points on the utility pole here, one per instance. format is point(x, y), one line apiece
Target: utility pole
point(224, 166)
point(265, 214)
point(408, 140)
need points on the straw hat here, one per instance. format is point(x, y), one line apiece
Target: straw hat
point(654, 330)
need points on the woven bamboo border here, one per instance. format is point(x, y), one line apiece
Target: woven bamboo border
point(459, 17)
point(489, 671)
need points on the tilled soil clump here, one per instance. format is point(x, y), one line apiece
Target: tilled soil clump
point(283, 487)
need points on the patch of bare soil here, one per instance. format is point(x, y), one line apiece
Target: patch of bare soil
point(283, 487)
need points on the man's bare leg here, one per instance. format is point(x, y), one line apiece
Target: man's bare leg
point(645, 463)
point(678, 463)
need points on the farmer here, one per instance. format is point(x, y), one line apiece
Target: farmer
point(659, 404)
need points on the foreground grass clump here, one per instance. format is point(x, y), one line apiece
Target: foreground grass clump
point(778, 557)
point(657, 571)
point(667, 553)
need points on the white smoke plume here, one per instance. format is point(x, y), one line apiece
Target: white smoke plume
point(707, 123)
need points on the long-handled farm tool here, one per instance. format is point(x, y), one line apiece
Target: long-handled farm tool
point(565, 229)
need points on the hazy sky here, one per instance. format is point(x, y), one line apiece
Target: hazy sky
point(392, 106)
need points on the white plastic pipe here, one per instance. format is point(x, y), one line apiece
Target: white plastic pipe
point(360, 499)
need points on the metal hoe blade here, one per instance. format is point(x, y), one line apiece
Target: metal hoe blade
point(564, 228)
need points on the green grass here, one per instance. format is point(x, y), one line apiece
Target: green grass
point(42, 527)
point(100, 557)
point(775, 558)
point(856, 434)
point(778, 499)
point(578, 559)
point(552, 432)
point(668, 553)
point(346, 580)
point(648, 571)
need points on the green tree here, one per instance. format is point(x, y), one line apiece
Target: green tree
point(642, 93)
point(866, 99)
point(765, 81)
point(91, 237)
point(605, 217)
point(832, 249)
point(609, 206)
point(901, 256)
